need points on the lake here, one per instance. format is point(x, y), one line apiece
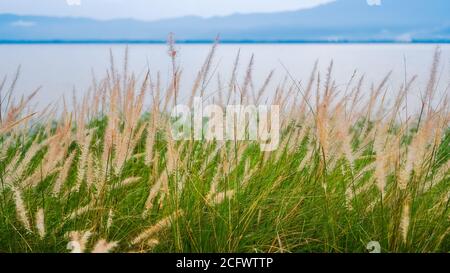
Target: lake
point(61, 68)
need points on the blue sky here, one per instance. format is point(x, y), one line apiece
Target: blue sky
point(150, 9)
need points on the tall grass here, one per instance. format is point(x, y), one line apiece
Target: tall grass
point(107, 176)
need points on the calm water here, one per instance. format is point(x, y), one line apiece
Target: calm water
point(59, 69)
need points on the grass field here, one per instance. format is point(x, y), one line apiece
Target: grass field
point(104, 175)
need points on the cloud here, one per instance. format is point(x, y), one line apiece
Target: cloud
point(22, 23)
point(374, 2)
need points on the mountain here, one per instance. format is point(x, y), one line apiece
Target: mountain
point(342, 20)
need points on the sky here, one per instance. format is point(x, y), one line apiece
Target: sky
point(149, 9)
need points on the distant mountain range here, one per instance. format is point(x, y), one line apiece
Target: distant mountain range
point(339, 21)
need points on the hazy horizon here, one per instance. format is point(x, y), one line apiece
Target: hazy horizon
point(145, 10)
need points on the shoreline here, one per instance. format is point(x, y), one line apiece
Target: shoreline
point(57, 41)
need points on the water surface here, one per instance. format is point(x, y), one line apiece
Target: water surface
point(61, 68)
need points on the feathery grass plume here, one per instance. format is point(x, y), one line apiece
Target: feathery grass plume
point(6, 146)
point(151, 136)
point(202, 79)
point(11, 114)
point(263, 88)
point(102, 246)
point(163, 194)
point(341, 134)
point(126, 149)
point(371, 103)
point(7, 127)
point(405, 219)
point(173, 55)
point(59, 143)
point(125, 68)
point(152, 127)
point(443, 236)
point(441, 205)
point(322, 115)
point(168, 97)
point(380, 157)
point(248, 81)
point(441, 175)
point(4, 109)
point(371, 206)
point(22, 166)
point(223, 171)
point(322, 128)
point(421, 144)
point(355, 190)
point(91, 171)
point(42, 172)
point(417, 153)
point(432, 82)
point(80, 211)
point(158, 227)
point(80, 117)
point(129, 181)
point(54, 156)
point(124, 136)
point(84, 155)
point(40, 223)
point(356, 98)
point(306, 95)
point(208, 162)
point(172, 154)
point(220, 88)
point(110, 134)
point(214, 184)
point(232, 83)
point(248, 174)
point(8, 175)
point(21, 211)
point(222, 196)
point(206, 68)
point(78, 241)
point(110, 219)
point(306, 159)
point(154, 190)
point(151, 243)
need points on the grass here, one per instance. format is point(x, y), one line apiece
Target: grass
point(106, 176)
